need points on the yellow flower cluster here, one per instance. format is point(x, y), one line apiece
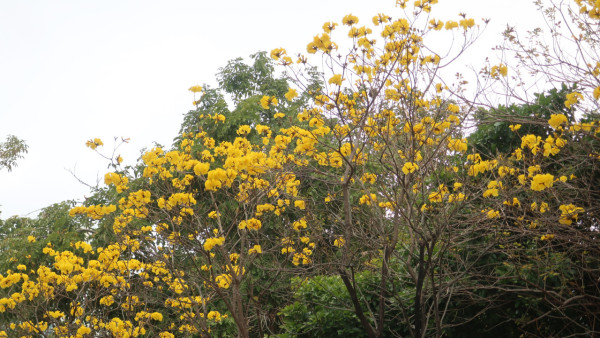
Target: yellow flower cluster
point(573, 98)
point(120, 182)
point(211, 242)
point(251, 224)
point(569, 213)
point(93, 211)
point(542, 181)
point(557, 120)
point(267, 101)
point(94, 143)
point(499, 70)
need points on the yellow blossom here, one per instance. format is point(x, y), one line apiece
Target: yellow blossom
point(277, 53)
point(291, 94)
point(569, 213)
point(573, 98)
point(252, 224)
point(350, 20)
point(211, 242)
point(256, 249)
point(339, 242)
point(409, 168)
point(94, 143)
point(541, 182)
point(267, 101)
point(492, 213)
point(195, 89)
point(547, 237)
point(336, 79)
point(329, 26)
point(556, 120)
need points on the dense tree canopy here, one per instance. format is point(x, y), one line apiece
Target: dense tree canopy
point(349, 199)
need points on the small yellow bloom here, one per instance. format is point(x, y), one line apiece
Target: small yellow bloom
point(451, 25)
point(437, 25)
point(541, 182)
point(300, 204)
point(93, 144)
point(256, 249)
point(195, 89)
point(291, 94)
point(329, 26)
point(336, 79)
point(244, 130)
point(210, 243)
point(268, 101)
point(367, 199)
point(350, 20)
point(339, 242)
point(409, 168)
point(467, 23)
point(277, 53)
point(557, 120)
point(492, 213)
point(573, 98)
point(514, 127)
point(499, 70)
point(569, 213)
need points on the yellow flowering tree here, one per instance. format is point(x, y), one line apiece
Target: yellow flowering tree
point(544, 187)
point(386, 139)
point(360, 177)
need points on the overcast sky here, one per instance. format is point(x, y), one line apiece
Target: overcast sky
point(75, 70)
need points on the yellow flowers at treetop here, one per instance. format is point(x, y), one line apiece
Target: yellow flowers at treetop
point(329, 26)
point(350, 20)
point(195, 89)
point(499, 70)
point(94, 143)
point(277, 53)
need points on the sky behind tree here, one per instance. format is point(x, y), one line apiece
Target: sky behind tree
point(75, 70)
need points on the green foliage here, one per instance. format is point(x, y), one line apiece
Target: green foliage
point(322, 307)
point(53, 226)
point(244, 85)
point(10, 151)
point(493, 135)
point(526, 285)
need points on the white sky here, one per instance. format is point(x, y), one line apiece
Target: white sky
point(75, 70)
